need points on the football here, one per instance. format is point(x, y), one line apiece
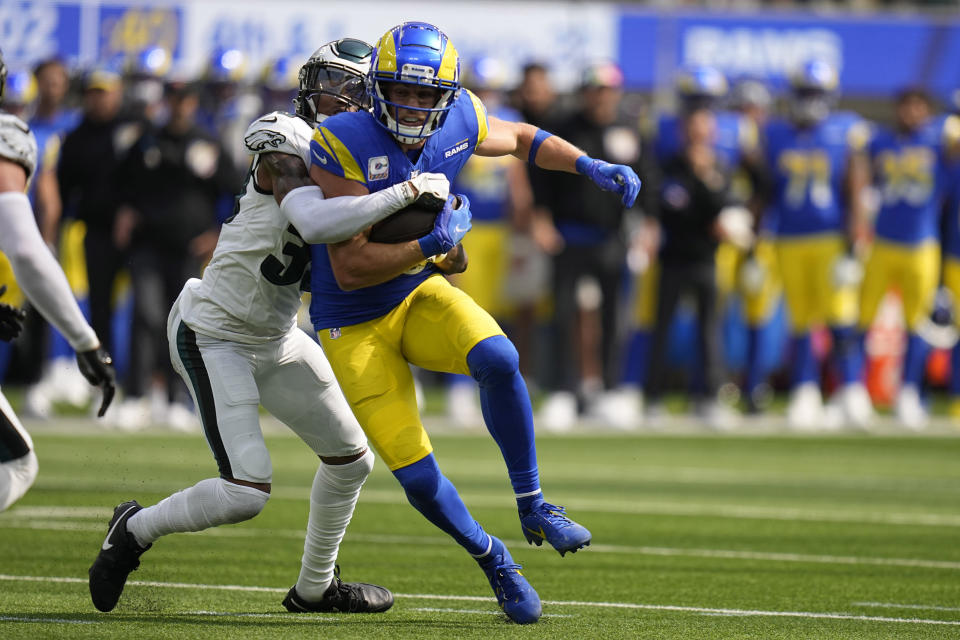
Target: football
point(412, 222)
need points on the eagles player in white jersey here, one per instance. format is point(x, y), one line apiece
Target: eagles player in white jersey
point(234, 340)
point(39, 276)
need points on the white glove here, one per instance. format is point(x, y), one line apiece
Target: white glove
point(736, 225)
point(434, 185)
point(847, 271)
point(752, 276)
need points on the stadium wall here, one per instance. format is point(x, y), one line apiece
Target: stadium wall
point(876, 53)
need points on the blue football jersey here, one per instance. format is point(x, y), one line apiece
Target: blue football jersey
point(951, 230)
point(50, 133)
point(736, 134)
point(808, 167)
point(910, 174)
point(354, 146)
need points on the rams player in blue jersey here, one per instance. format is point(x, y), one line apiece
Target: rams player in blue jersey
point(378, 307)
point(951, 270)
point(817, 161)
point(909, 165)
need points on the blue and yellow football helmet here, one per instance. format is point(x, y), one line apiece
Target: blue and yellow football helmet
point(226, 66)
point(700, 87)
point(21, 89)
point(813, 88)
point(419, 54)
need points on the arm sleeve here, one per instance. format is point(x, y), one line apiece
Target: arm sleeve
point(324, 221)
point(38, 274)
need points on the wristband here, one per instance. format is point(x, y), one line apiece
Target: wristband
point(538, 139)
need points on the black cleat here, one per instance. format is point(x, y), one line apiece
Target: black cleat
point(119, 555)
point(342, 597)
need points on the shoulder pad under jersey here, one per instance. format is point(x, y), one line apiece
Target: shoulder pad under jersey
point(17, 143)
point(277, 132)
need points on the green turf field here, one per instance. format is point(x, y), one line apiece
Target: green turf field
point(695, 536)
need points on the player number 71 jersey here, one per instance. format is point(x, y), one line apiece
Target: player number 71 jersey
point(250, 291)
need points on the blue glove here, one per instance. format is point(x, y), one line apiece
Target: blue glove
point(611, 177)
point(451, 225)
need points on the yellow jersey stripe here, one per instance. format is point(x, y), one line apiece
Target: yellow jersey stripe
point(332, 145)
point(482, 126)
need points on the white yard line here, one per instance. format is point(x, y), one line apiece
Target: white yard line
point(736, 511)
point(559, 603)
point(48, 620)
point(10, 522)
point(640, 508)
point(894, 605)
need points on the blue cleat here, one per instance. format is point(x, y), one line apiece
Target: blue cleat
point(514, 594)
point(550, 522)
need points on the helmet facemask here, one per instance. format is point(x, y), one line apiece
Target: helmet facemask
point(809, 107)
point(3, 75)
point(405, 134)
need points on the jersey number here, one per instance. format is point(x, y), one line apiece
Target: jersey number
point(298, 270)
point(907, 176)
point(807, 173)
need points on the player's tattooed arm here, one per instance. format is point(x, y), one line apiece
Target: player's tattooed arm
point(281, 173)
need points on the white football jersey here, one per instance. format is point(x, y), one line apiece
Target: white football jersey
point(250, 291)
point(17, 143)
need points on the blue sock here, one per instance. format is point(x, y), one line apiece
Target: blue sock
point(505, 402)
point(437, 499)
point(846, 349)
point(804, 365)
point(635, 368)
point(955, 371)
point(754, 374)
point(914, 360)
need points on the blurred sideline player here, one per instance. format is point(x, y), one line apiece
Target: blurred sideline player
point(279, 83)
point(50, 122)
point(697, 87)
point(755, 272)
point(500, 201)
point(231, 103)
point(380, 307)
point(588, 262)
point(234, 340)
point(42, 282)
point(818, 164)
point(951, 273)
point(909, 166)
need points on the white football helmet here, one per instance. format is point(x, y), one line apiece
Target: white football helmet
point(337, 69)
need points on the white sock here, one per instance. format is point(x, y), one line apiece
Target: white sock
point(208, 503)
point(336, 488)
point(16, 476)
